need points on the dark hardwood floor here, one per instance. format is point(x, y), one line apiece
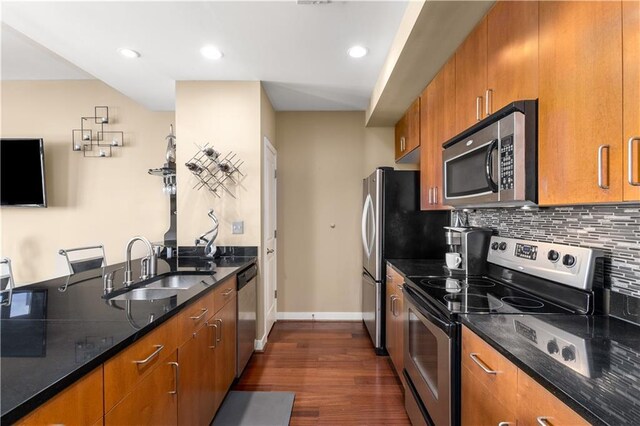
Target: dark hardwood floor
point(334, 372)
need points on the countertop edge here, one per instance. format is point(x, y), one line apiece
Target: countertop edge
point(60, 385)
point(548, 385)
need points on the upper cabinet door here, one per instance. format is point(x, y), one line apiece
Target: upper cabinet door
point(580, 102)
point(631, 93)
point(512, 40)
point(408, 134)
point(471, 77)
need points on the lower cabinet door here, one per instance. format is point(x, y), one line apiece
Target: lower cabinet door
point(195, 388)
point(225, 353)
point(479, 407)
point(154, 400)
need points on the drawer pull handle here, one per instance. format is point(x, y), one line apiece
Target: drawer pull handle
point(215, 337)
point(228, 292)
point(197, 317)
point(389, 277)
point(505, 423)
point(543, 421)
point(150, 357)
point(219, 329)
point(176, 374)
point(481, 364)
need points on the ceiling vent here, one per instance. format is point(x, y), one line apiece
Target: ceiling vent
point(314, 2)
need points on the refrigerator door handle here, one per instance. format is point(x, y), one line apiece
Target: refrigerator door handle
point(368, 206)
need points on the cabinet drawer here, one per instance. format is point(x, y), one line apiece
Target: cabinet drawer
point(125, 370)
point(500, 377)
point(85, 396)
point(194, 316)
point(537, 405)
point(394, 279)
point(225, 292)
point(479, 407)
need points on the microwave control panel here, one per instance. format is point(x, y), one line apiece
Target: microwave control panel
point(507, 163)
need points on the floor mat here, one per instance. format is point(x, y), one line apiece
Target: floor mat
point(255, 409)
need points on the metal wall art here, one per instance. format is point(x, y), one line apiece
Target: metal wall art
point(214, 171)
point(92, 138)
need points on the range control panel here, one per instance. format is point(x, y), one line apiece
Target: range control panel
point(568, 265)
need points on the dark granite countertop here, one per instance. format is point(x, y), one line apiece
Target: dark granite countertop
point(609, 393)
point(56, 331)
point(419, 267)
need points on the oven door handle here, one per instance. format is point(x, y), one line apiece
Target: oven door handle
point(438, 322)
point(489, 165)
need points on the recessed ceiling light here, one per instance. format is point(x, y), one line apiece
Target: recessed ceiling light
point(211, 52)
point(357, 51)
point(128, 53)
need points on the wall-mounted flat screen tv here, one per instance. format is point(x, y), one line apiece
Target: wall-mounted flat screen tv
point(22, 173)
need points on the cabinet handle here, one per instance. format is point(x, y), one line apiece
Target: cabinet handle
point(218, 329)
point(197, 317)
point(481, 364)
point(399, 287)
point(176, 375)
point(543, 421)
point(215, 337)
point(435, 195)
point(228, 292)
point(391, 298)
point(402, 144)
point(632, 139)
point(487, 102)
point(478, 108)
point(504, 423)
point(389, 277)
point(150, 357)
point(601, 184)
point(430, 196)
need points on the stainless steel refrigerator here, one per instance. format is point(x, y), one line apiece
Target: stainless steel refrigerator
point(393, 227)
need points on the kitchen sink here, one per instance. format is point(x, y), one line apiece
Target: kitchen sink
point(147, 294)
point(176, 282)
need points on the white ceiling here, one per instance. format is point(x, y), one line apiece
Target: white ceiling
point(299, 51)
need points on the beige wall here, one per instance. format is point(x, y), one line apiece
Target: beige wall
point(91, 200)
point(322, 159)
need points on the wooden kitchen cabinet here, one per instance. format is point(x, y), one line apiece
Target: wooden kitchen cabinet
point(471, 77)
point(80, 404)
point(580, 149)
point(512, 53)
point(153, 401)
point(437, 125)
point(407, 134)
point(631, 99)
point(225, 351)
point(394, 327)
point(494, 390)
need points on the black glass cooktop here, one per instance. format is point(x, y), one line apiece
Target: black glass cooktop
point(480, 295)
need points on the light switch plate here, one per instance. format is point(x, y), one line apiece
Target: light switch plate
point(237, 227)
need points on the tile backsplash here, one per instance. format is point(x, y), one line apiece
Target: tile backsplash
point(612, 229)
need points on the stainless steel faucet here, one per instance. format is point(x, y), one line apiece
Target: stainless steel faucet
point(148, 263)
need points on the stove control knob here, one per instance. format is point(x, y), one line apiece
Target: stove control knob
point(494, 246)
point(568, 260)
point(569, 353)
point(502, 246)
point(552, 347)
point(553, 255)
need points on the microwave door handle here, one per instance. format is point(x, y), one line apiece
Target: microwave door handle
point(489, 166)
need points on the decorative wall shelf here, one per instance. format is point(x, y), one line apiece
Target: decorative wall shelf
point(215, 172)
point(92, 134)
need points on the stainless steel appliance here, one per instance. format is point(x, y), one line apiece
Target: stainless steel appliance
point(494, 163)
point(393, 227)
point(472, 244)
point(247, 307)
point(513, 284)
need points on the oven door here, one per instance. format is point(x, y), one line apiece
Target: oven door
point(428, 358)
point(471, 169)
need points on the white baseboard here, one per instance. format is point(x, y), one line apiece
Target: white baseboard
point(320, 316)
point(259, 344)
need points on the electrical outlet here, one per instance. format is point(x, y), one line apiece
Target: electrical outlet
point(237, 227)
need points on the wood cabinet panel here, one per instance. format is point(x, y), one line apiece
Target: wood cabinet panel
point(225, 292)
point(479, 407)
point(195, 316)
point(122, 373)
point(512, 53)
point(437, 120)
point(225, 351)
point(503, 383)
point(580, 103)
point(85, 398)
point(631, 94)
point(394, 320)
point(153, 401)
point(471, 77)
point(407, 131)
point(534, 402)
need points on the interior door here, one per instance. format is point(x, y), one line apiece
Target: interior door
point(270, 236)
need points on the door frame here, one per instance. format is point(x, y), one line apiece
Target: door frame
point(267, 147)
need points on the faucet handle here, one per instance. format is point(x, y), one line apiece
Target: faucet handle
point(107, 280)
point(145, 264)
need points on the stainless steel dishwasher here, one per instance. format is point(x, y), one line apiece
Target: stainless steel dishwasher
point(247, 307)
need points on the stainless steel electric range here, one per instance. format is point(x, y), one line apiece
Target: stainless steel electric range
point(524, 277)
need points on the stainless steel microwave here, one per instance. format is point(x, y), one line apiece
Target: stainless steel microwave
point(494, 163)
